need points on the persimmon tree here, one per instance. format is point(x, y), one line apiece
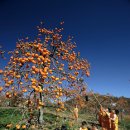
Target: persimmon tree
point(45, 69)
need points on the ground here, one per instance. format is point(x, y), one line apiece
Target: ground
point(52, 119)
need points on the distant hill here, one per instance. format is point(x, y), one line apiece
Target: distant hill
point(92, 102)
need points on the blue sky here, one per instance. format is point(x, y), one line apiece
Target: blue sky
point(101, 29)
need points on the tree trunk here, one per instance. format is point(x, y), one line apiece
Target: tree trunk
point(40, 117)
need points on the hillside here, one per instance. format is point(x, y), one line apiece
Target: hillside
point(87, 112)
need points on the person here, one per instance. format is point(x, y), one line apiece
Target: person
point(100, 116)
point(116, 123)
point(114, 120)
point(75, 113)
point(105, 119)
point(94, 127)
point(83, 126)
